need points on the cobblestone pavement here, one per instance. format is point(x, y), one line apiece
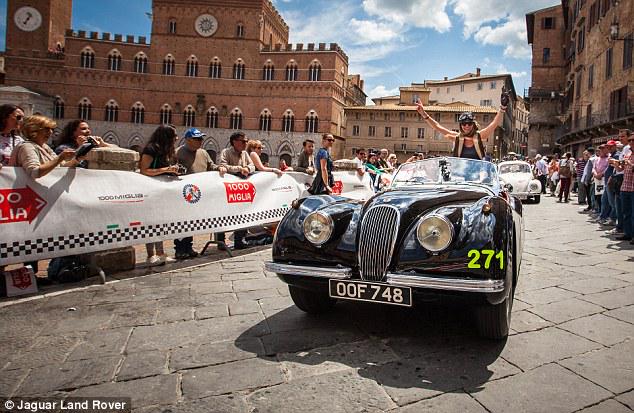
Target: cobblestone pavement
point(225, 337)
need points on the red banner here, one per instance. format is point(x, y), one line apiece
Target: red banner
point(240, 192)
point(19, 205)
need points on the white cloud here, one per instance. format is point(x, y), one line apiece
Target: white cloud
point(363, 40)
point(418, 13)
point(488, 66)
point(381, 90)
point(499, 22)
point(372, 31)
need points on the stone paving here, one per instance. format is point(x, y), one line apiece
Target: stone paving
point(225, 337)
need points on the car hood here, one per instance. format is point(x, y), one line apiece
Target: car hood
point(416, 200)
point(519, 181)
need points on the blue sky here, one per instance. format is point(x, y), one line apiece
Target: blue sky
point(391, 43)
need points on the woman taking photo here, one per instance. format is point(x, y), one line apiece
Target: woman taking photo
point(75, 134)
point(323, 182)
point(254, 149)
point(34, 154)
point(11, 118)
point(469, 141)
point(159, 158)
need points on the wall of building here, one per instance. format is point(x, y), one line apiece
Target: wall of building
point(60, 75)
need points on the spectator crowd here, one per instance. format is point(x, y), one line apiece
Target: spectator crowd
point(602, 178)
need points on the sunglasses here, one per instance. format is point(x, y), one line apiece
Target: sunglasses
point(19, 117)
point(467, 123)
point(258, 147)
point(330, 140)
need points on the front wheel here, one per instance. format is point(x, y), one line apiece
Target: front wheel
point(310, 301)
point(494, 321)
point(537, 198)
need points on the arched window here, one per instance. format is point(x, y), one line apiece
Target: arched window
point(87, 58)
point(169, 65)
point(58, 108)
point(140, 63)
point(191, 68)
point(314, 72)
point(171, 26)
point(84, 109)
point(166, 114)
point(215, 68)
point(137, 113)
point(114, 60)
point(291, 71)
point(312, 122)
point(265, 120)
point(288, 121)
point(268, 72)
point(212, 117)
point(240, 30)
point(235, 119)
point(189, 116)
point(112, 111)
point(238, 69)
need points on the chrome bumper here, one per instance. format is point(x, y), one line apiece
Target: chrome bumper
point(340, 273)
point(402, 279)
point(451, 284)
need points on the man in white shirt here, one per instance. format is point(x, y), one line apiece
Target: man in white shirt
point(542, 171)
point(359, 160)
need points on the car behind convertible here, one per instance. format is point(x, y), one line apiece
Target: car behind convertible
point(445, 227)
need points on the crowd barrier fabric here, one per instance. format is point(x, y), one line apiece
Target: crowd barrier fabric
point(72, 211)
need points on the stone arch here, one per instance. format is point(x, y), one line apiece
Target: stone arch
point(111, 137)
point(286, 146)
point(136, 140)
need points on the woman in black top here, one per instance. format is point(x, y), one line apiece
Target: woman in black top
point(469, 142)
point(158, 158)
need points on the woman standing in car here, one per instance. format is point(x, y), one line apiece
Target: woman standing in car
point(469, 141)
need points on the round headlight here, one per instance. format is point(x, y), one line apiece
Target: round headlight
point(434, 233)
point(318, 228)
point(534, 186)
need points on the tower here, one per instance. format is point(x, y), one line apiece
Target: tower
point(37, 24)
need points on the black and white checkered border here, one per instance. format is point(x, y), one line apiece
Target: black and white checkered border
point(70, 242)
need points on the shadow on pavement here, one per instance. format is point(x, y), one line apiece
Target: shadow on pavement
point(428, 347)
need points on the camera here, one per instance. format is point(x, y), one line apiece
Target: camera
point(86, 147)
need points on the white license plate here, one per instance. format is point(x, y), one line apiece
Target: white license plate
point(373, 292)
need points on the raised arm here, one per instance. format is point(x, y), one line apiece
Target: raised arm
point(490, 128)
point(499, 117)
point(432, 122)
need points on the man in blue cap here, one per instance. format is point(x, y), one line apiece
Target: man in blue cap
point(195, 160)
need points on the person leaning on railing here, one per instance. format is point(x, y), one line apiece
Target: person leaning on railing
point(34, 154)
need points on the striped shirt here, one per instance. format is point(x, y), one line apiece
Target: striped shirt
point(581, 165)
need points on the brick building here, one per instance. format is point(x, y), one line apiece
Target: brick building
point(219, 65)
point(394, 123)
point(582, 72)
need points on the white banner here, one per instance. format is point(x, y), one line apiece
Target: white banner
point(73, 211)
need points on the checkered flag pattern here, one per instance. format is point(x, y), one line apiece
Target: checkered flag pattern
point(126, 236)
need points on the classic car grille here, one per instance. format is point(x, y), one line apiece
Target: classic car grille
point(376, 241)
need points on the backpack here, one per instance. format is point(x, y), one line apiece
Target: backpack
point(564, 169)
point(67, 269)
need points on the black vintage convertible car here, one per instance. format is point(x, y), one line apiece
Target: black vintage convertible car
point(445, 227)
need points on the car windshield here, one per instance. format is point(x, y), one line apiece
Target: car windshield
point(515, 168)
point(446, 170)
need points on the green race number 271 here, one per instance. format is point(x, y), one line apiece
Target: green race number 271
point(483, 258)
